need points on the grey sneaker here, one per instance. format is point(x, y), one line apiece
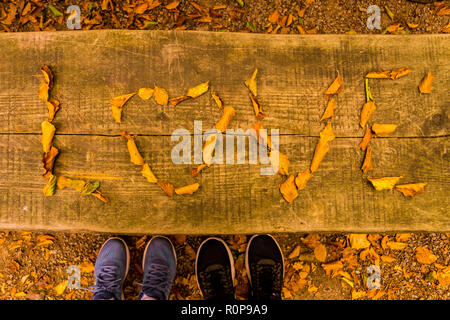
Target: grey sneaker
point(111, 268)
point(159, 265)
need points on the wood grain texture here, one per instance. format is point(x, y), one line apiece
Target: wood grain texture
point(294, 71)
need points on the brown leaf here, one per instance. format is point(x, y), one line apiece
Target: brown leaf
point(48, 76)
point(49, 160)
point(335, 87)
point(161, 96)
point(48, 131)
point(386, 183)
point(53, 107)
point(302, 178)
point(148, 174)
point(198, 90)
point(288, 189)
point(329, 111)
point(398, 73)
point(426, 85)
point(367, 164)
point(410, 190)
point(177, 100)
point(366, 139)
point(190, 189)
point(320, 252)
point(366, 112)
point(100, 196)
point(383, 129)
point(167, 187)
point(135, 156)
point(257, 108)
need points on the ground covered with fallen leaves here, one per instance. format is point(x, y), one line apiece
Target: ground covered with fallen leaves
point(411, 266)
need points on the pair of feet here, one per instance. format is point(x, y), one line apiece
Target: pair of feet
point(214, 268)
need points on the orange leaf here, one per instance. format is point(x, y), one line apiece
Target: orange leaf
point(257, 108)
point(198, 90)
point(190, 189)
point(161, 96)
point(217, 100)
point(145, 93)
point(367, 110)
point(379, 74)
point(302, 179)
point(288, 189)
point(383, 129)
point(320, 252)
point(425, 256)
point(410, 190)
point(335, 87)
point(398, 73)
point(426, 85)
point(135, 156)
point(167, 187)
point(251, 83)
point(49, 160)
point(367, 164)
point(366, 139)
point(172, 5)
point(228, 114)
point(329, 111)
point(177, 100)
point(121, 100)
point(148, 174)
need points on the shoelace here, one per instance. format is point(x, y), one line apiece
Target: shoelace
point(216, 283)
point(107, 280)
point(157, 278)
point(266, 283)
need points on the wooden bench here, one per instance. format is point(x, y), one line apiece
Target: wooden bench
point(90, 67)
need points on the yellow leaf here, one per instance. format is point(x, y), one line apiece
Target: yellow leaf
point(294, 253)
point(388, 259)
point(366, 112)
point(386, 183)
point(393, 245)
point(53, 107)
point(257, 108)
point(426, 85)
point(135, 156)
point(148, 174)
point(190, 189)
point(251, 83)
point(335, 87)
point(48, 131)
point(366, 139)
point(60, 288)
point(20, 294)
point(329, 111)
point(410, 190)
point(332, 269)
point(288, 189)
point(87, 267)
point(383, 129)
point(283, 162)
point(412, 25)
point(43, 91)
point(389, 13)
point(302, 178)
point(48, 76)
point(121, 100)
point(358, 241)
point(403, 236)
point(145, 93)
point(358, 294)
point(198, 90)
point(50, 187)
point(320, 252)
point(117, 113)
point(425, 256)
point(367, 164)
point(217, 100)
point(161, 96)
point(228, 114)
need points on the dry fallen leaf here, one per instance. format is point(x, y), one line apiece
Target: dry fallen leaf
point(177, 100)
point(359, 241)
point(251, 83)
point(379, 74)
point(410, 190)
point(329, 111)
point(228, 114)
point(60, 288)
point(425, 256)
point(332, 269)
point(172, 5)
point(386, 183)
point(50, 187)
point(53, 107)
point(208, 149)
point(367, 164)
point(197, 170)
point(398, 73)
point(388, 259)
point(190, 189)
point(49, 160)
point(48, 76)
point(135, 156)
point(393, 245)
point(117, 113)
point(198, 90)
point(320, 252)
point(167, 187)
point(145, 93)
point(217, 100)
point(383, 129)
point(148, 174)
point(257, 108)
point(48, 131)
point(283, 162)
point(120, 101)
point(294, 253)
point(367, 111)
point(366, 139)
point(322, 147)
point(100, 196)
point(302, 178)
point(335, 87)
point(261, 135)
point(161, 96)
point(426, 85)
point(43, 91)
point(288, 189)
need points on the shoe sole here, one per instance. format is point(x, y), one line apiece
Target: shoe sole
point(148, 244)
point(128, 258)
point(247, 267)
point(233, 273)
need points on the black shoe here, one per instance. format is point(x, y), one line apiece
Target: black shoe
point(265, 267)
point(214, 268)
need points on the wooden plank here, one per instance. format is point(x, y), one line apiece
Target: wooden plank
point(294, 71)
point(232, 198)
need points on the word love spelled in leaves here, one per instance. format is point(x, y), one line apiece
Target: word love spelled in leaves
point(280, 163)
